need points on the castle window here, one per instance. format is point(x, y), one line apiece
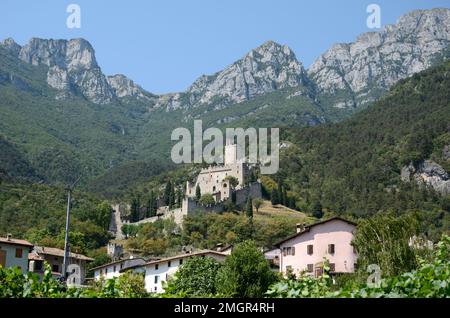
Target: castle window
point(224, 185)
point(214, 188)
point(330, 248)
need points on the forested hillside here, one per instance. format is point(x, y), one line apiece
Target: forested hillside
point(37, 212)
point(354, 167)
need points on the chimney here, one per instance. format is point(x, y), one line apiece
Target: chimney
point(9, 236)
point(300, 227)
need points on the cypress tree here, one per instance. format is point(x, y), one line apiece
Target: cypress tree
point(249, 208)
point(167, 193)
point(198, 193)
point(274, 197)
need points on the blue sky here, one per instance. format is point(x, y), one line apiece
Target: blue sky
point(164, 45)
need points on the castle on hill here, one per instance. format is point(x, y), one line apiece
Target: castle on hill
point(215, 180)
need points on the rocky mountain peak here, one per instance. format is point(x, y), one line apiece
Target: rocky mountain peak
point(377, 60)
point(124, 87)
point(72, 67)
point(10, 45)
point(264, 69)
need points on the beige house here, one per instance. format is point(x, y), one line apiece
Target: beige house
point(305, 251)
point(14, 253)
point(77, 263)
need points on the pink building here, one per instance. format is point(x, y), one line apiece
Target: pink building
point(305, 251)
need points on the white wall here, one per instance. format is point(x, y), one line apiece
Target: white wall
point(164, 271)
point(108, 272)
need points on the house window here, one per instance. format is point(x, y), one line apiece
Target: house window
point(332, 267)
point(121, 266)
point(55, 268)
point(38, 265)
point(330, 248)
point(156, 266)
point(114, 268)
point(169, 263)
point(181, 261)
point(288, 251)
point(310, 268)
point(156, 279)
point(19, 253)
point(309, 249)
point(106, 270)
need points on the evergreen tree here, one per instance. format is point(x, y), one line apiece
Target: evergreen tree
point(316, 209)
point(152, 205)
point(280, 192)
point(135, 208)
point(249, 208)
point(179, 198)
point(285, 198)
point(172, 196)
point(292, 203)
point(274, 197)
point(167, 193)
point(198, 193)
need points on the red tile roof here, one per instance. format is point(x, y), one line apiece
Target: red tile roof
point(58, 252)
point(5, 240)
point(308, 227)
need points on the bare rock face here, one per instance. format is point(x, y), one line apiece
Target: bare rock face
point(377, 60)
point(124, 87)
point(11, 46)
point(72, 67)
point(446, 152)
point(430, 173)
point(265, 69)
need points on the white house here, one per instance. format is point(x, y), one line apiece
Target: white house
point(306, 250)
point(111, 270)
point(159, 271)
point(14, 253)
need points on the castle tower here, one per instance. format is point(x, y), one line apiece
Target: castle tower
point(230, 154)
